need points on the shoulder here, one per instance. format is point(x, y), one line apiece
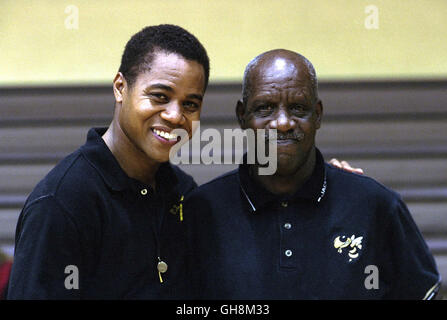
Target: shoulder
point(367, 199)
point(49, 185)
point(43, 217)
point(186, 182)
point(223, 184)
point(213, 200)
point(359, 185)
point(223, 187)
point(73, 182)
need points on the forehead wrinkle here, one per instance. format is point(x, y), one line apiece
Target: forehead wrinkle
point(274, 77)
point(281, 85)
point(305, 93)
point(290, 95)
point(270, 71)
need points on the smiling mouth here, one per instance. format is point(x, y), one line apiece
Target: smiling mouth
point(167, 136)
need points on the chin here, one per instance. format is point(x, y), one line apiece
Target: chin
point(162, 159)
point(283, 170)
point(156, 152)
point(159, 157)
point(289, 165)
point(286, 169)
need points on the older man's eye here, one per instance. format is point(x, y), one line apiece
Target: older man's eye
point(297, 107)
point(299, 110)
point(263, 109)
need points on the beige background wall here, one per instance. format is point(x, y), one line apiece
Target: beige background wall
point(80, 42)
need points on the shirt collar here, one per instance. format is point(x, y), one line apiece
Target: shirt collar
point(257, 196)
point(101, 158)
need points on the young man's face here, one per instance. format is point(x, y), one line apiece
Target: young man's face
point(167, 97)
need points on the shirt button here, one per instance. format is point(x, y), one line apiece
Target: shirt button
point(143, 192)
point(284, 204)
point(287, 226)
point(288, 253)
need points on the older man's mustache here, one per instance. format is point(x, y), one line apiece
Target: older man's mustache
point(298, 136)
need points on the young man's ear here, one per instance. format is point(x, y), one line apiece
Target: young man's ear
point(240, 111)
point(119, 83)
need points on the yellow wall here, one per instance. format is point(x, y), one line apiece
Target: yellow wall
point(410, 42)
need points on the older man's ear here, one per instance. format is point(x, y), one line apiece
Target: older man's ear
point(240, 110)
point(319, 110)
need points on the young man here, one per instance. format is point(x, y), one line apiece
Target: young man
point(104, 223)
point(309, 231)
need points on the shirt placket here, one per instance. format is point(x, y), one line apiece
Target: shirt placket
point(288, 247)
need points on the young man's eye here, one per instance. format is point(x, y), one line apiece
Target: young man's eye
point(159, 96)
point(191, 106)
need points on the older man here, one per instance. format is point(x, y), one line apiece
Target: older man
point(309, 231)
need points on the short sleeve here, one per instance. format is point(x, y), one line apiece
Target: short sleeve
point(414, 273)
point(47, 254)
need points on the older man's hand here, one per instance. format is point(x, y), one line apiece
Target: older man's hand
point(345, 166)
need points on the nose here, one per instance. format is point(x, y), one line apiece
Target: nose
point(173, 113)
point(283, 122)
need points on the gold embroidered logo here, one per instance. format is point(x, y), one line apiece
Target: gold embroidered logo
point(178, 208)
point(354, 243)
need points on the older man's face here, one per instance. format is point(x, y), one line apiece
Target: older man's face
point(281, 98)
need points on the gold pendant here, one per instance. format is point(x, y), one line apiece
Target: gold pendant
point(162, 267)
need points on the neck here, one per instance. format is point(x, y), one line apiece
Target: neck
point(280, 183)
point(132, 160)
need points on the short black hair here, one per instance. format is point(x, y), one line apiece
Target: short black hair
point(139, 51)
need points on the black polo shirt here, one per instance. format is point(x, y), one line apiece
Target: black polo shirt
point(341, 236)
point(89, 214)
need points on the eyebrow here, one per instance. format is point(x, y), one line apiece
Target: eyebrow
point(195, 96)
point(261, 100)
point(168, 88)
point(160, 86)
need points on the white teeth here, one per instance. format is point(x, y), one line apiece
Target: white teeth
point(166, 135)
